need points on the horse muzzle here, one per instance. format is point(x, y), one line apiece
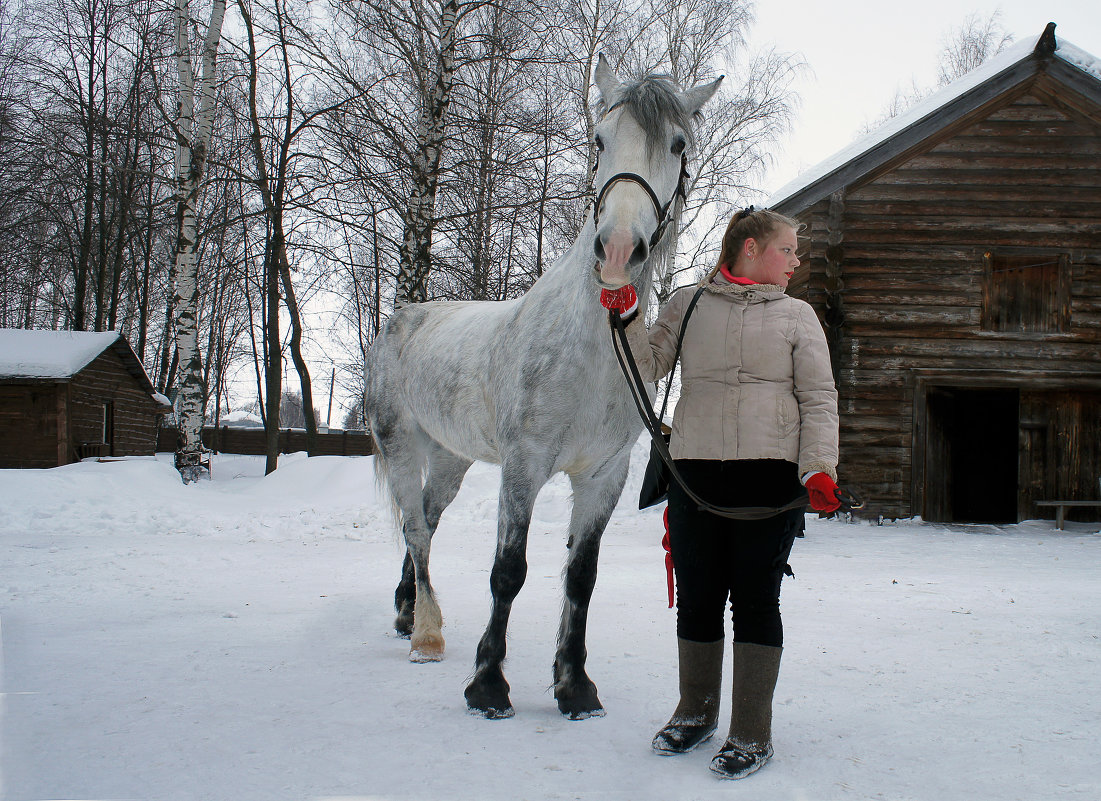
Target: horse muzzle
point(618, 250)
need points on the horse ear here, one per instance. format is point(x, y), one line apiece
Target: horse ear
point(607, 82)
point(695, 97)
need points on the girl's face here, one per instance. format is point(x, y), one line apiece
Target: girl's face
point(771, 262)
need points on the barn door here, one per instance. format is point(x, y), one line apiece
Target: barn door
point(971, 461)
point(1060, 456)
point(938, 459)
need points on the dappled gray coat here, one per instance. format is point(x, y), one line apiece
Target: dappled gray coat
point(756, 381)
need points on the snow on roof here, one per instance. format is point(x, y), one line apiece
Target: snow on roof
point(241, 419)
point(1077, 57)
point(50, 354)
point(1009, 57)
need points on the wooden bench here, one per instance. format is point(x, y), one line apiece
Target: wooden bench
point(1062, 506)
point(86, 450)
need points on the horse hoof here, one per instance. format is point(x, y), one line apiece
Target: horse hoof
point(426, 649)
point(403, 626)
point(580, 706)
point(489, 699)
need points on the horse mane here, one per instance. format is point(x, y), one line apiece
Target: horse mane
point(655, 103)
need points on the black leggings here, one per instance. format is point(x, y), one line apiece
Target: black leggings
point(716, 559)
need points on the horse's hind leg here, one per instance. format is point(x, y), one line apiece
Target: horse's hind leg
point(404, 597)
point(594, 498)
point(445, 477)
point(406, 449)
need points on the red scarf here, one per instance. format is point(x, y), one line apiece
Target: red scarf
point(736, 279)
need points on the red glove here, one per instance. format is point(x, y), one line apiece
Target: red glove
point(823, 493)
point(623, 300)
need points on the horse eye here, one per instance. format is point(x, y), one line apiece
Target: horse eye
point(599, 144)
point(678, 146)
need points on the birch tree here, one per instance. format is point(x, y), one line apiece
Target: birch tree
point(964, 48)
point(415, 261)
point(193, 131)
point(971, 44)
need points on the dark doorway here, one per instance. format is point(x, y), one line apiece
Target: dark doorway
point(972, 455)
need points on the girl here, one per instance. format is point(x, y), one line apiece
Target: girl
point(757, 420)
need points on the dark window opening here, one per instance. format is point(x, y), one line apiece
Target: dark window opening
point(1026, 292)
point(108, 427)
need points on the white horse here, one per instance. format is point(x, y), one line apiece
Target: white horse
point(533, 385)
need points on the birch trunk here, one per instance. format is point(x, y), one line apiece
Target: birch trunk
point(193, 129)
point(415, 261)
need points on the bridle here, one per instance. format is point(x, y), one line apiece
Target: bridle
point(662, 212)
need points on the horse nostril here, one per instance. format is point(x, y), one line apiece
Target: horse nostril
point(641, 251)
point(598, 246)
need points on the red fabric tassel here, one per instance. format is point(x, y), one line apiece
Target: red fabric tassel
point(668, 557)
point(622, 299)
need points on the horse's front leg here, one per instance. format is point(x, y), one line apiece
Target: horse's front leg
point(594, 498)
point(487, 692)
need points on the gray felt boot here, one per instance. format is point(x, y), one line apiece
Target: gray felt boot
point(748, 746)
point(697, 714)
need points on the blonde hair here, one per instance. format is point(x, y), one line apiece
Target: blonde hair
point(758, 224)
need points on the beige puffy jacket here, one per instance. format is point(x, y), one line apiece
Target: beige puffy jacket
point(756, 381)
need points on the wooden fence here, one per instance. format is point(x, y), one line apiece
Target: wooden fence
point(253, 441)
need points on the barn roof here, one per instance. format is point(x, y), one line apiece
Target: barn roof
point(1015, 66)
point(59, 355)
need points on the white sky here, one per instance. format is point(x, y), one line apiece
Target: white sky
point(858, 52)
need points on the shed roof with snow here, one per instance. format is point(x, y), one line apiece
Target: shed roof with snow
point(69, 395)
point(60, 355)
point(1060, 60)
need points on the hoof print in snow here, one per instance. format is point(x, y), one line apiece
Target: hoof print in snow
point(492, 713)
point(584, 714)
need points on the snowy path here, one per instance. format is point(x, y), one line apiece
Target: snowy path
point(243, 651)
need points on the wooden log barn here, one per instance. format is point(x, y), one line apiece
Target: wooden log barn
point(954, 257)
point(68, 395)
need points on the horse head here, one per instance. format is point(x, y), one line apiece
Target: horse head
point(643, 140)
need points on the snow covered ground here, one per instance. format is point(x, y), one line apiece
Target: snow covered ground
point(232, 640)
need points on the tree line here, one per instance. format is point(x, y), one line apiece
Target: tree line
point(361, 153)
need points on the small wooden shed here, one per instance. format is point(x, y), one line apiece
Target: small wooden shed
point(954, 257)
point(68, 395)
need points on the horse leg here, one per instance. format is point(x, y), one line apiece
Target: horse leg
point(404, 597)
point(594, 498)
point(406, 449)
point(445, 476)
point(487, 692)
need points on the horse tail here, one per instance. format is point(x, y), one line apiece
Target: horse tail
point(384, 416)
point(382, 483)
point(384, 475)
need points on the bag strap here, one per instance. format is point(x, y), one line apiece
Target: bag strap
point(676, 356)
